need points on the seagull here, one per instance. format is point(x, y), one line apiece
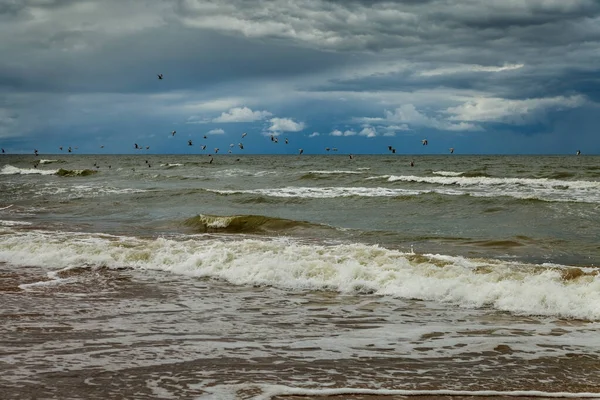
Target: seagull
point(301, 151)
point(394, 151)
point(451, 150)
point(276, 140)
point(59, 148)
point(424, 141)
point(203, 147)
point(160, 76)
point(241, 146)
point(272, 138)
point(211, 160)
point(190, 142)
point(147, 147)
point(205, 137)
point(35, 152)
point(173, 133)
point(390, 148)
point(351, 157)
point(326, 148)
point(578, 152)
point(244, 135)
point(69, 149)
point(102, 146)
point(216, 150)
point(136, 146)
point(286, 141)
point(2, 151)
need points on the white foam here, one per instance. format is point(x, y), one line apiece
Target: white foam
point(14, 223)
point(48, 161)
point(270, 391)
point(347, 268)
point(10, 170)
point(325, 192)
point(523, 188)
point(335, 172)
point(448, 173)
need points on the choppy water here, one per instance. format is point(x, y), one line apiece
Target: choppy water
point(282, 276)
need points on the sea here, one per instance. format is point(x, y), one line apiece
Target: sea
point(291, 277)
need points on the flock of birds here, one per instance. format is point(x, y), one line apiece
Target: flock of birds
point(274, 139)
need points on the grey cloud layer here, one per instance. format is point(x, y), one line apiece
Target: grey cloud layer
point(442, 64)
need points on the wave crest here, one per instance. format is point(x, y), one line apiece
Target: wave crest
point(242, 224)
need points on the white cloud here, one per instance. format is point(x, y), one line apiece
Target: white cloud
point(496, 109)
point(314, 134)
point(218, 131)
point(407, 115)
point(469, 68)
point(242, 114)
point(337, 132)
point(368, 131)
point(285, 125)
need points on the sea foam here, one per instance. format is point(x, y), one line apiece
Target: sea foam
point(347, 268)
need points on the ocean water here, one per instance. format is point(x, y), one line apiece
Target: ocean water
point(299, 277)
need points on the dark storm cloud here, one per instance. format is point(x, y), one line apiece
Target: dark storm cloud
point(436, 64)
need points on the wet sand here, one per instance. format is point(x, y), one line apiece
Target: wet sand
point(134, 334)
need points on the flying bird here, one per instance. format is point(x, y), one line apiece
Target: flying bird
point(390, 148)
point(190, 142)
point(69, 149)
point(160, 76)
point(59, 148)
point(244, 135)
point(2, 151)
point(424, 141)
point(173, 133)
point(286, 141)
point(326, 148)
point(216, 150)
point(451, 150)
point(203, 147)
point(578, 152)
point(135, 145)
point(300, 151)
point(35, 152)
point(102, 146)
point(241, 146)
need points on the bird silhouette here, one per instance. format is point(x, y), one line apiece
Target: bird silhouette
point(160, 76)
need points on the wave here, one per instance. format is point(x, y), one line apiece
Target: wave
point(325, 192)
point(268, 391)
point(447, 173)
point(522, 188)
point(242, 224)
point(10, 170)
point(174, 165)
point(357, 269)
point(75, 172)
point(52, 161)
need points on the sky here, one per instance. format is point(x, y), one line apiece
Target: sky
point(482, 77)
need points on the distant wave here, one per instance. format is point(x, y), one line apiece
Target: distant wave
point(10, 170)
point(52, 161)
point(174, 165)
point(75, 172)
point(235, 172)
point(242, 224)
point(325, 192)
point(357, 269)
point(447, 173)
point(522, 188)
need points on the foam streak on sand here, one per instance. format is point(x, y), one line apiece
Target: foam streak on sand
point(270, 391)
point(347, 268)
